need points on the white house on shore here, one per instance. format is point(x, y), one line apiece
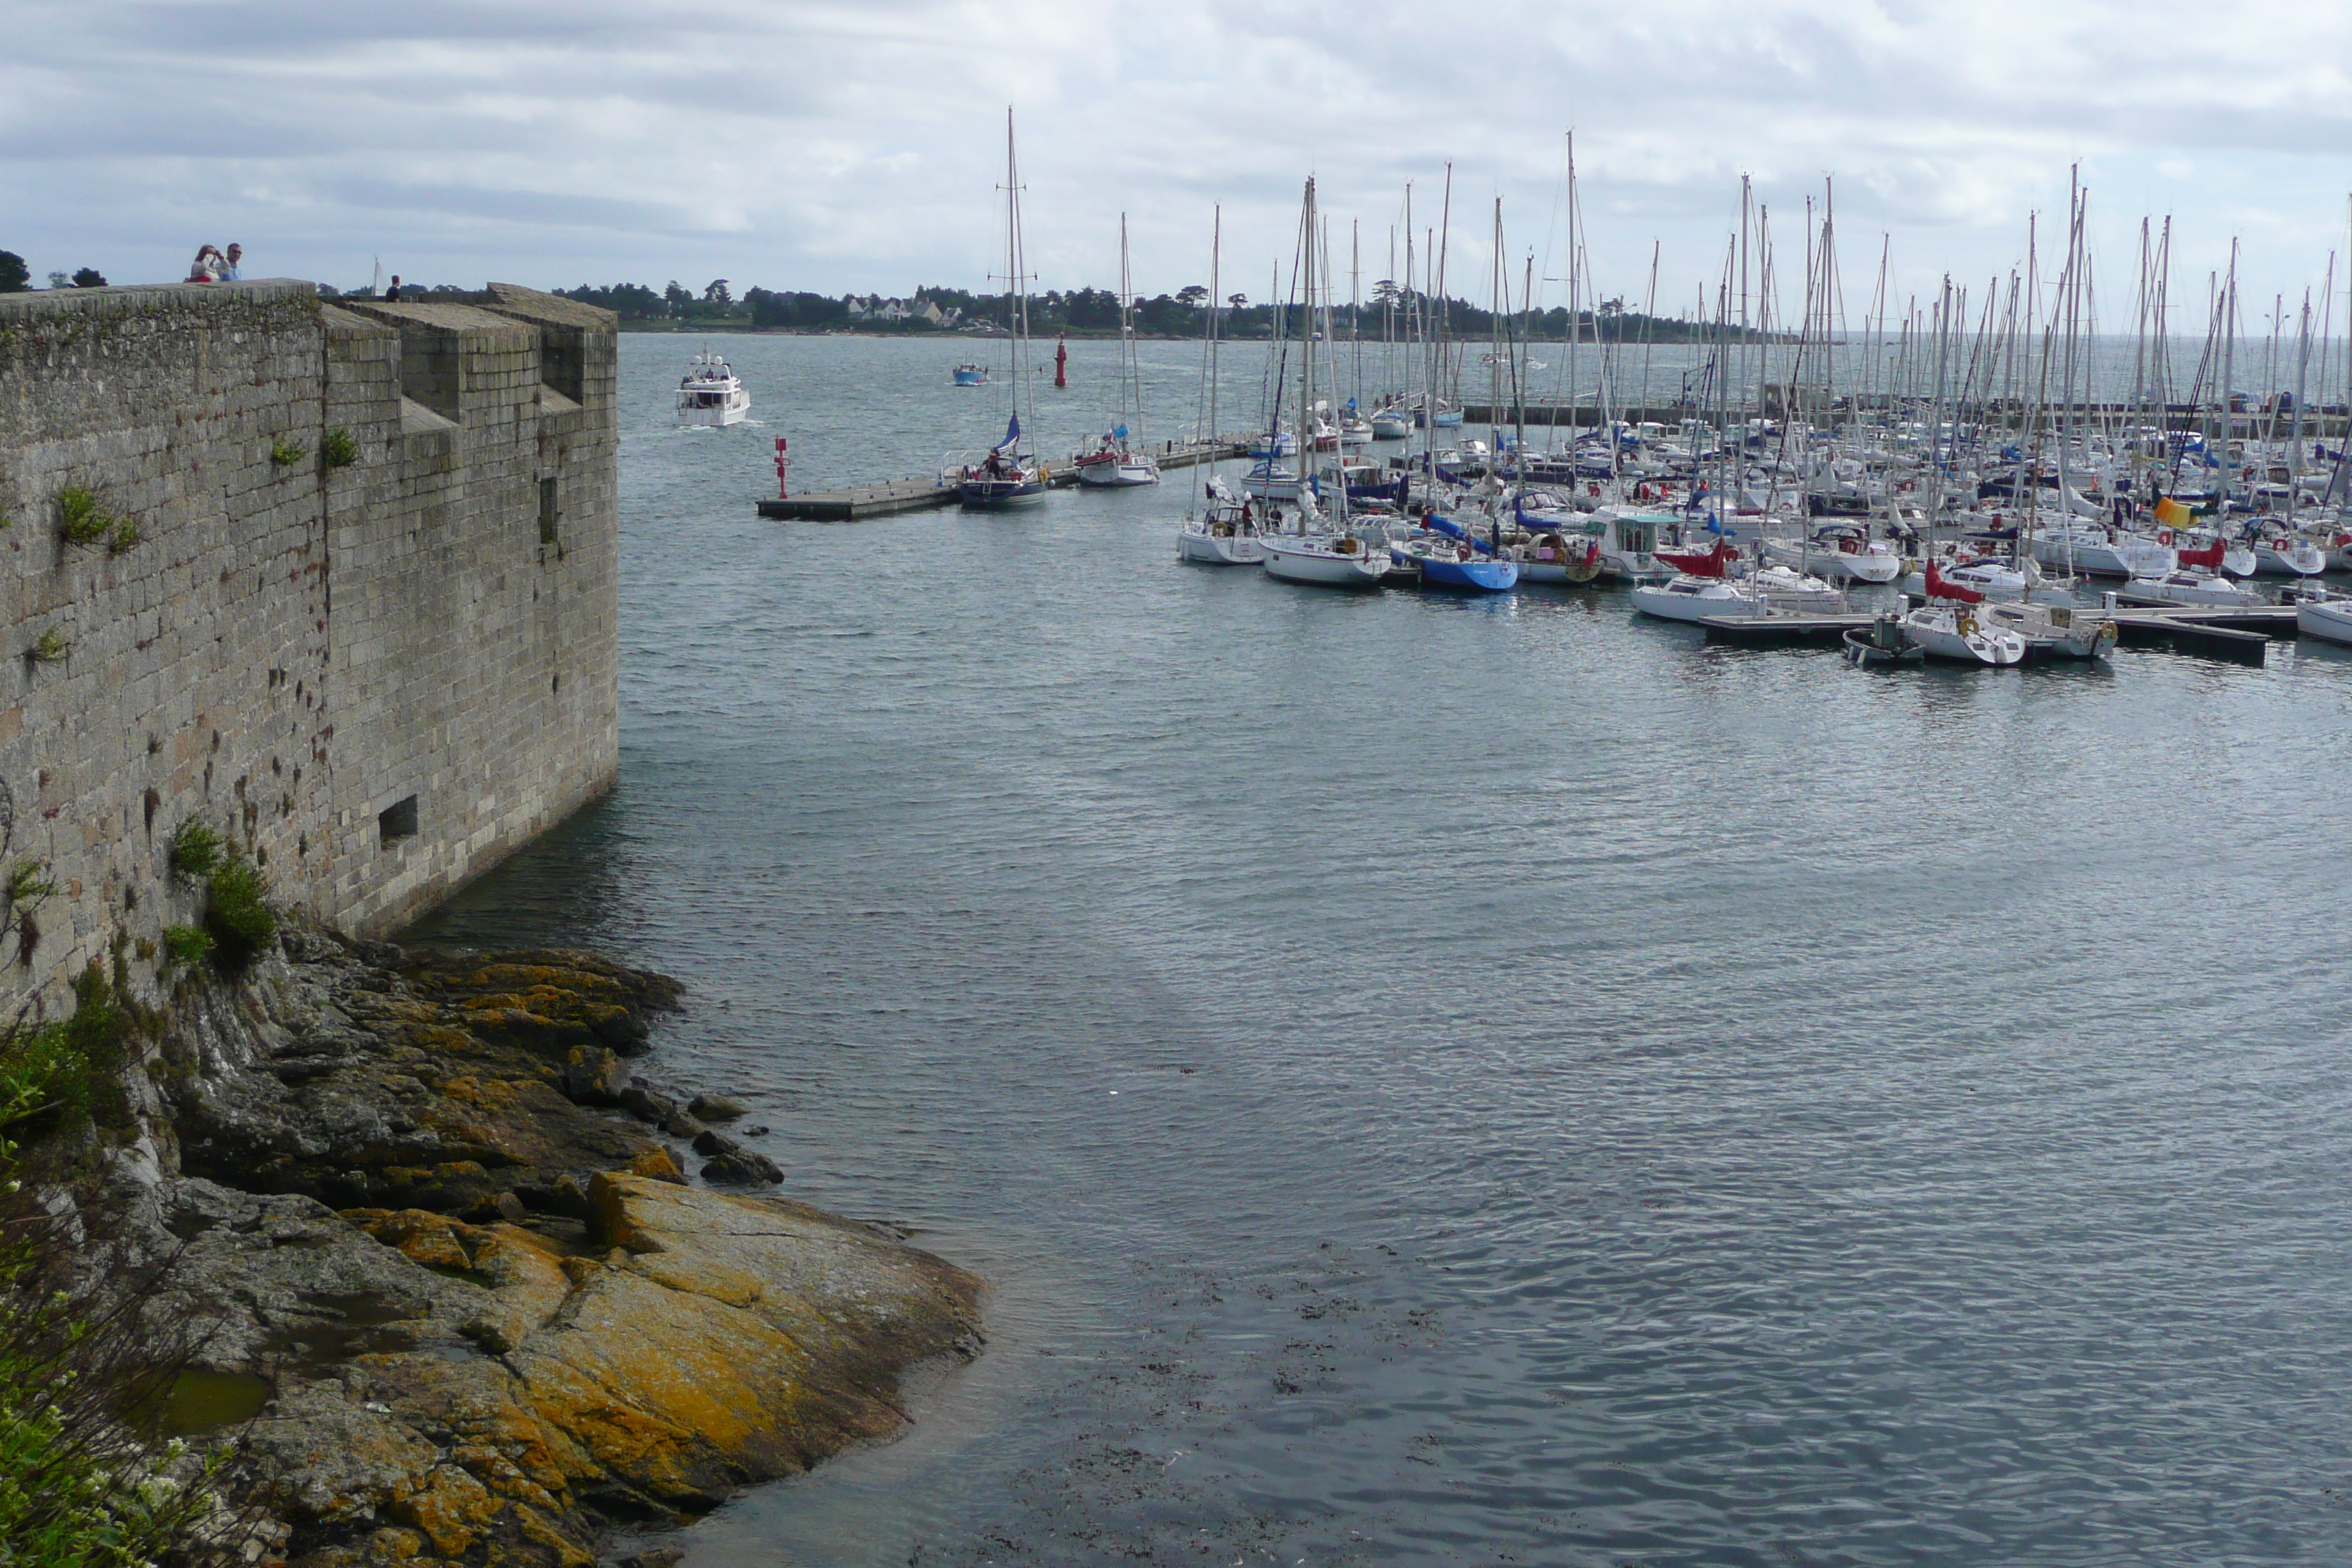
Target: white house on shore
point(874, 308)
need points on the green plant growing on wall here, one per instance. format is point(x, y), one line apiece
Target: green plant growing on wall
point(184, 947)
point(28, 883)
point(82, 518)
point(285, 451)
point(51, 648)
point(124, 536)
point(238, 915)
point(337, 448)
point(196, 851)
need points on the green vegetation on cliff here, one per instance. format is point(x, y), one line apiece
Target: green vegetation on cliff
point(78, 1485)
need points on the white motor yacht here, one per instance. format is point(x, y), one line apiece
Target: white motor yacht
point(712, 395)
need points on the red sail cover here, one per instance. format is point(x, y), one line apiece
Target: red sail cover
point(1711, 562)
point(2210, 556)
point(1942, 587)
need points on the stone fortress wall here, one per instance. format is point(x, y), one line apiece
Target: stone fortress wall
point(376, 678)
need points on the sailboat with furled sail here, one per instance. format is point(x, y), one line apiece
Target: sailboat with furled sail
point(1325, 551)
point(1225, 532)
point(1114, 462)
point(1007, 475)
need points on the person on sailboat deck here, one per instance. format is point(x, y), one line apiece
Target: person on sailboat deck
point(994, 466)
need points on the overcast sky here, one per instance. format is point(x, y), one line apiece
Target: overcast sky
point(838, 146)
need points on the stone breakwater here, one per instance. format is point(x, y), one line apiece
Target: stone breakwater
point(466, 1306)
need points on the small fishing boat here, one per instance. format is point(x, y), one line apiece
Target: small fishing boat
point(972, 376)
point(711, 394)
point(1391, 423)
point(1882, 644)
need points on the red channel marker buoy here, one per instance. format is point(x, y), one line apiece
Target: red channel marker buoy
point(784, 463)
point(1061, 362)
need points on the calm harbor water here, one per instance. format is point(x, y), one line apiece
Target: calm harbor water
point(1443, 1081)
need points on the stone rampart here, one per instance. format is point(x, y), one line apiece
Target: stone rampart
point(338, 579)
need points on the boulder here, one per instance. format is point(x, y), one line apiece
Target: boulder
point(742, 1166)
point(716, 1108)
point(361, 1086)
point(502, 1395)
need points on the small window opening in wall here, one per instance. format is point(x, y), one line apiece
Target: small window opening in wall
point(547, 512)
point(397, 821)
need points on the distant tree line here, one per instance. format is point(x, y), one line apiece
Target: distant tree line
point(17, 275)
point(1095, 311)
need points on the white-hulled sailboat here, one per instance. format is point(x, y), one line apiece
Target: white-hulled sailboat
point(1221, 527)
point(1114, 464)
point(1950, 627)
point(1006, 475)
point(1326, 553)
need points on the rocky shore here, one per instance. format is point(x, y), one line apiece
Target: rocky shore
point(463, 1304)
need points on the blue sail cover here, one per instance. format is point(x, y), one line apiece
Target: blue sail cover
point(1120, 433)
point(1012, 432)
point(1437, 524)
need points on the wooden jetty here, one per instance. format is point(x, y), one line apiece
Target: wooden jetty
point(2240, 633)
point(857, 502)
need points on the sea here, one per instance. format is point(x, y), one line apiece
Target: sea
point(1441, 1081)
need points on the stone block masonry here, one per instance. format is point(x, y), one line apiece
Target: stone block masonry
point(376, 677)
